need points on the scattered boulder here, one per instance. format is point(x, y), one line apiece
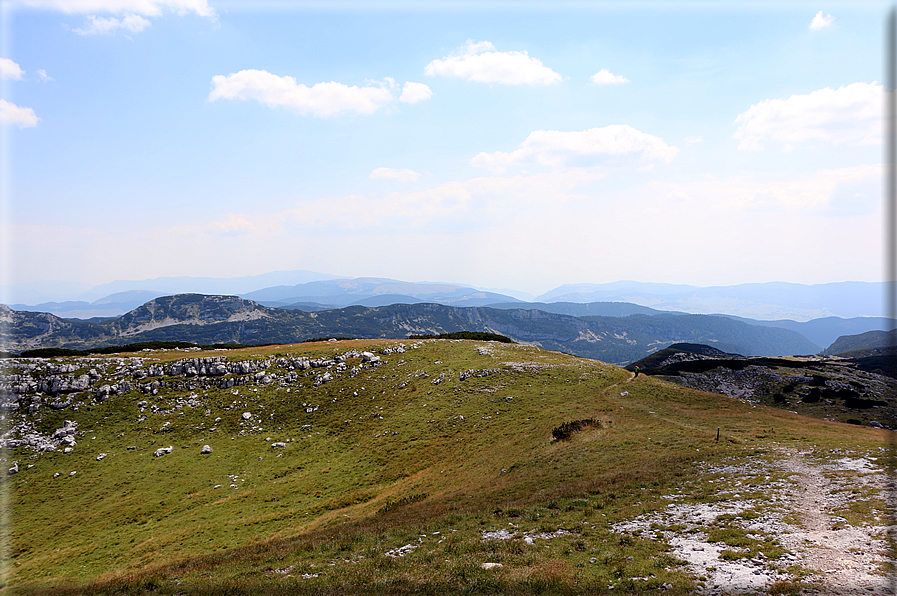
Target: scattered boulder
point(488, 566)
point(14, 469)
point(101, 456)
point(162, 451)
point(247, 415)
point(279, 445)
point(205, 449)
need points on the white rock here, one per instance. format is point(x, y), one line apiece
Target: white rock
point(491, 565)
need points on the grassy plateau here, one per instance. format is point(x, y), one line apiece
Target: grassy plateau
point(402, 476)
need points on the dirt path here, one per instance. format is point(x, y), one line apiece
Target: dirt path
point(847, 558)
point(824, 549)
point(613, 391)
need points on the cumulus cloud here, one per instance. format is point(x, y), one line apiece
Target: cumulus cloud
point(849, 115)
point(394, 174)
point(481, 63)
point(150, 8)
point(322, 100)
point(415, 92)
point(606, 77)
point(42, 75)
point(617, 144)
point(820, 21)
point(10, 113)
point(131, 23)
point(132, 12)
point(10, 70)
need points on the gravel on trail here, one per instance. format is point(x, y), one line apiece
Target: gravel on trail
point(803, 494)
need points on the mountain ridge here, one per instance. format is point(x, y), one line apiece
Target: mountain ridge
point(770, 301)
point(232, 319)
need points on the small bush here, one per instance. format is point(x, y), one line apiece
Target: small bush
point(565, 431)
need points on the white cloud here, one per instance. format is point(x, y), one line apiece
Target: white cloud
point(148, 8)
point(820, 22)
point(10, 70)
point(617, 144)
point(415, 92)
point(849, 115)
point(10, 113)
point(394, 174)
point(606, 77)
point(103, 25)
point(132, 11)
point(233, 225)
point(694, 139)
point(42, 75)
point(323, 99)
point(481, 63)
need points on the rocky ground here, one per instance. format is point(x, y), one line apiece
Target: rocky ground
point(31, 386)
point(827, 513)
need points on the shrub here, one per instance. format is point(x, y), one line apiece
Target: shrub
point(565, 431)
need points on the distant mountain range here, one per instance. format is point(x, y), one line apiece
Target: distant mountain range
point(230, 319)
point(779, 304)
point(774, 300)
point(372, 291)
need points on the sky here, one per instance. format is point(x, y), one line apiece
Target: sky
point(503, 145)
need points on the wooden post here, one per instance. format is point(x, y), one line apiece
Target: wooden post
point(717, 434)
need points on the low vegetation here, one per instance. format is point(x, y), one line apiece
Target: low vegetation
point(565, 431)
point(401, 478)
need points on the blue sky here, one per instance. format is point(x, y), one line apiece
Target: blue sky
point(520, 145)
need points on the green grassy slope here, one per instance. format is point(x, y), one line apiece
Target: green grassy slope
point(372, 463)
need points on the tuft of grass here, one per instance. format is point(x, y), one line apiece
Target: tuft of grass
point(787, 588)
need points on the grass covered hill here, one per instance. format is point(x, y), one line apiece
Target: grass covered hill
point(396, 467)
point(230, 319)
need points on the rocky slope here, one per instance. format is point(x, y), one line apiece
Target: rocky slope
point(845, 389)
